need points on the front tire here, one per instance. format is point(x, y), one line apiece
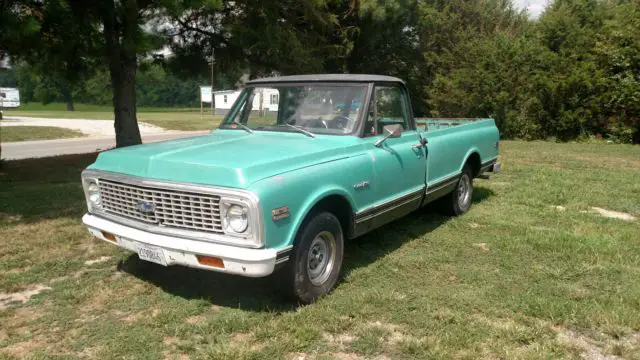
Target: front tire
point(458, 201)
point(315, 266)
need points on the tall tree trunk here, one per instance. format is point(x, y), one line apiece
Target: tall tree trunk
point(1, 161)
point(68, 99)
point(120, 37)
point(123, 82)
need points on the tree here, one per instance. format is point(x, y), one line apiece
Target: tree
point(56, 45)
point(71, 36)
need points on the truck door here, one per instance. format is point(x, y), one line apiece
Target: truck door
point(399, 163)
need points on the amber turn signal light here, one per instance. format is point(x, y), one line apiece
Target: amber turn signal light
point(210, 261)
point(109, 236)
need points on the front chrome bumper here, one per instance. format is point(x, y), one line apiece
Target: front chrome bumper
point(181, 251)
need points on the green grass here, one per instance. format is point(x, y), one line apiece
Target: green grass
point(24, 133)
point(168, 118)
point(513, 278)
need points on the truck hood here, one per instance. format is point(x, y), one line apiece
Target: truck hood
point(228, 158)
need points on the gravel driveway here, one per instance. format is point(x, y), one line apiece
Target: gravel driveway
point(93, 128)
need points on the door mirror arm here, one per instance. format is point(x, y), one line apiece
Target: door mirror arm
point(391, 131)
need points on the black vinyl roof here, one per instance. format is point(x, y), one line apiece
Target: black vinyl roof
point(327, 78)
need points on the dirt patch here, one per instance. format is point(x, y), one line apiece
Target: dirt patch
point(100, 298)
point(589, 348)
point(482, 246)
point(133, 318)
point(502, 324)
point(167, 355)
point(500, 183)
point(339, 340)
point(383, 325)
point(352, 356)
point(24, 315)
point(98, 260)
point(24, 348)
point(90, 353)
point(333, 355)
point(298, 356)
point(246, 340)
point(17, 270)
point(196, 320)
point(22, 297)
point(396, 333)
point(612, 214)
point(241, 337)
point(596, 349)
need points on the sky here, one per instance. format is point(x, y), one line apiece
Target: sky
point(534, 7)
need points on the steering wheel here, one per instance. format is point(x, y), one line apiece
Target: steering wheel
point(341, 121)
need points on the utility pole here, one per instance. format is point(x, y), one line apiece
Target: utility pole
point(213, 81)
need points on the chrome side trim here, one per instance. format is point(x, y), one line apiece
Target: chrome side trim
point(442, 184)
point(386, 212)
point(488, 165)
point(257, 239)
point(379, 209)
point(440, 189)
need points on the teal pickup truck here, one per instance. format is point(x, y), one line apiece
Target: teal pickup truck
point(284, 189)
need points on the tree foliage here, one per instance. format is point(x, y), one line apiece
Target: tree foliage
point(573, 72)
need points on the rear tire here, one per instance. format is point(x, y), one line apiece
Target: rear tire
point(315, 266)
point(458, 201)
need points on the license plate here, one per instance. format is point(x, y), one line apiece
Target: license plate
point(151, 253)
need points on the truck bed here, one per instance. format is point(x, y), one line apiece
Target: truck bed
point(432, 124)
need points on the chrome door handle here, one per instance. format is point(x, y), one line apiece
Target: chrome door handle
point(423, 143)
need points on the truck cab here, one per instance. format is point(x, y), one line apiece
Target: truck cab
point(283, 191)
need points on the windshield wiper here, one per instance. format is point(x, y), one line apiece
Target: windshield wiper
point(300, 130)
point(243, 126)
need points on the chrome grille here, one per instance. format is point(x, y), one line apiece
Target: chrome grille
point(172, 208)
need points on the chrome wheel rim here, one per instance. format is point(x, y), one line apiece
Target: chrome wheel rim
point(464, 191)
point(321, 258)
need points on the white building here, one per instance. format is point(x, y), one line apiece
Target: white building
point(225, 99)
point(265, 100)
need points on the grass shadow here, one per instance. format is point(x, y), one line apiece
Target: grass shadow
point(366, 249)
point(261, 294)
point(45, 188)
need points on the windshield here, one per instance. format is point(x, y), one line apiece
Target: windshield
point(316, 108)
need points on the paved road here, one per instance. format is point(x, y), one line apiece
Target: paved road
point(44, 148)
point(97, 128)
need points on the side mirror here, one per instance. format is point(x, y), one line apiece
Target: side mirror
point(390, 131)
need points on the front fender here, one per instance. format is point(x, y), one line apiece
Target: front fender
point(302, 189)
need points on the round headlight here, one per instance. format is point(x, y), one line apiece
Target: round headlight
point(94, 194)
point(237, 218)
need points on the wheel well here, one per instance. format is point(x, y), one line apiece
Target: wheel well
point(341, 208)
point(474, 161)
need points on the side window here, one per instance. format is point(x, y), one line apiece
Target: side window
point(387, 108)
point(390, 106)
